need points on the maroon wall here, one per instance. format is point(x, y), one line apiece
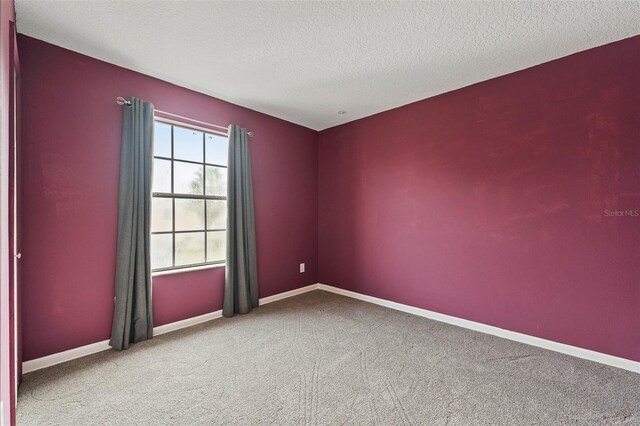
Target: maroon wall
point(488, 203)
point(71, 138)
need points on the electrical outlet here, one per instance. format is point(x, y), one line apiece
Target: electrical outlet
point(301, 267)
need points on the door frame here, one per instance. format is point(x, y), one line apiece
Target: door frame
point(12, 102)
point(15, 202)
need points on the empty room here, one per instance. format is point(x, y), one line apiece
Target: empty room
point(319, 212)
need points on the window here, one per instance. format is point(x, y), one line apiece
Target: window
point(189, 203)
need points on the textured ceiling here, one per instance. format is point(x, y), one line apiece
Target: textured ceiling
point(304, 61)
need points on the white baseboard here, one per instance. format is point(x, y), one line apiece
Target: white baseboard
point(162, 329)
point(611, 360)
point(60, 357)
point(289, 293)
point(53, 359)
point(606, 359)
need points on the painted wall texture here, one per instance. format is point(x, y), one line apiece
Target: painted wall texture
point(71, 154)
point(501, 203)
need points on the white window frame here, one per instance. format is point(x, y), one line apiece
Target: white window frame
point(173, 196)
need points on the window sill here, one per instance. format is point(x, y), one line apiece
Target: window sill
point(181, 270)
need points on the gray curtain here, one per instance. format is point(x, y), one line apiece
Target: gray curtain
point(132, 317)
point(241, 280)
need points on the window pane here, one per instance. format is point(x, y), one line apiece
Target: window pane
point(187, 178)
point(162, 140)
point(161, 175)
point(216, 214)
point(189, 248)
point(161, 251)
point(216, 245)
point(189, 215)
point(161, 214)
point(217, 149)
point(187, 144)
point(216, 181)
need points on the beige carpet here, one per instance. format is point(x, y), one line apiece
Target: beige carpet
point(322, 359)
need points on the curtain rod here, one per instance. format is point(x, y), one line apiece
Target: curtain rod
point(122, 101)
